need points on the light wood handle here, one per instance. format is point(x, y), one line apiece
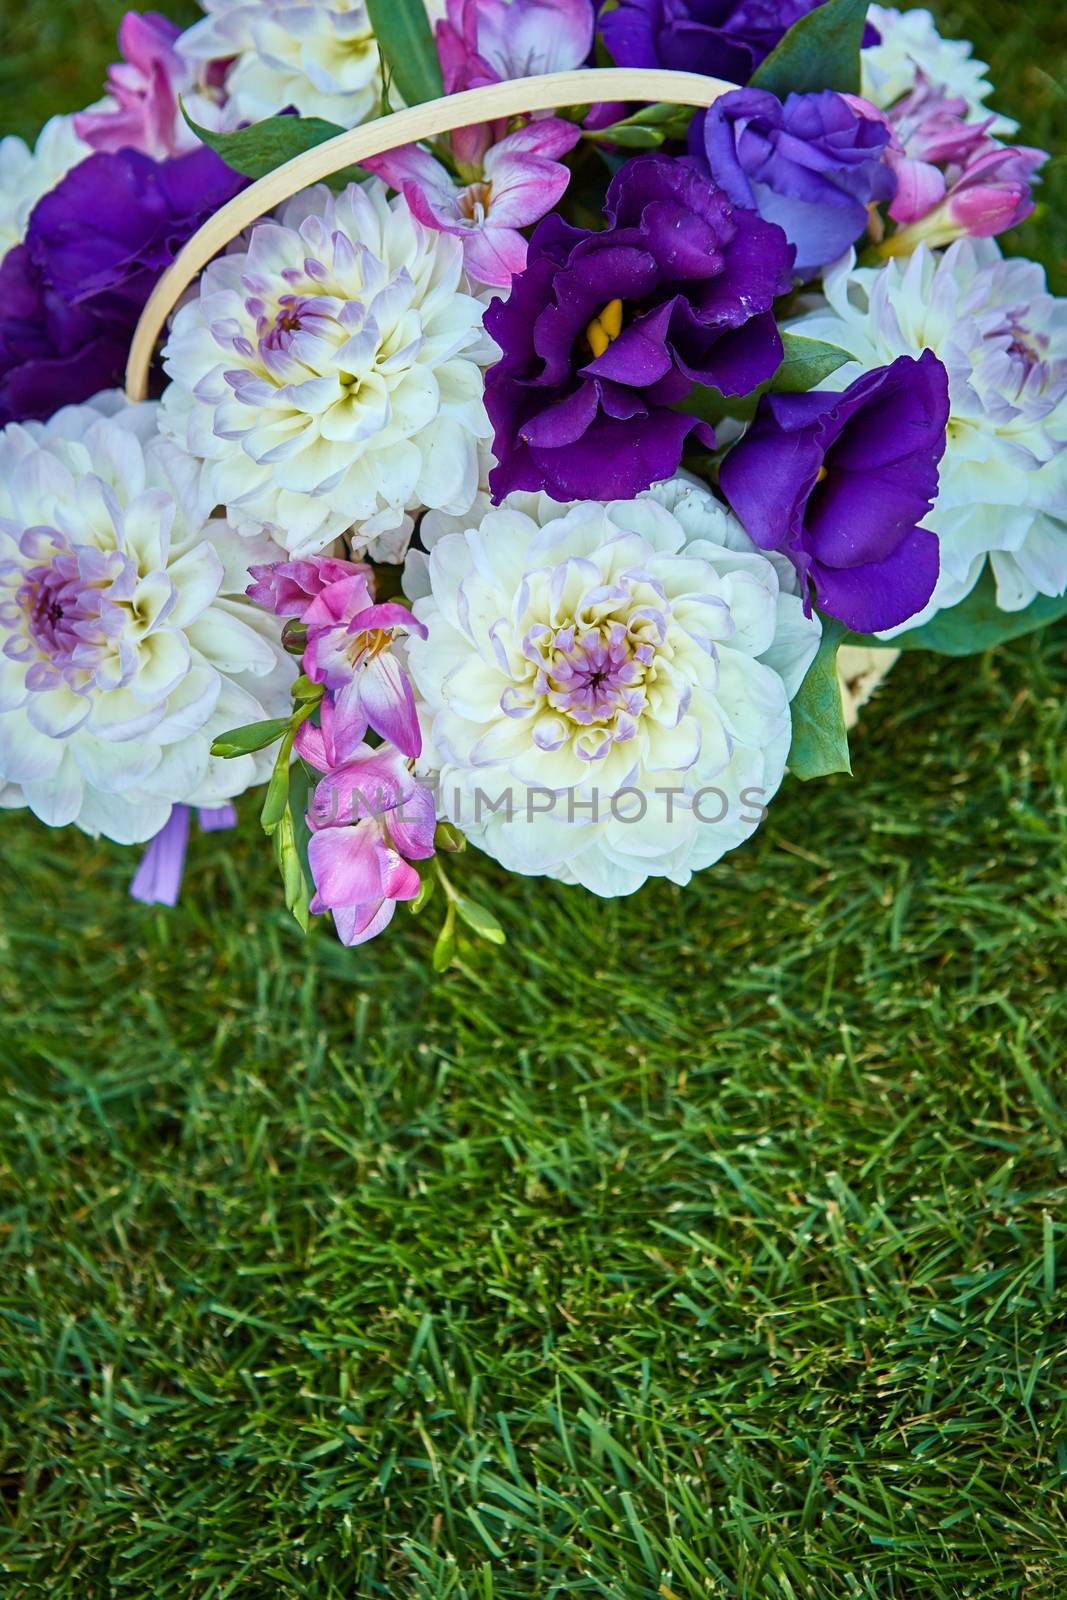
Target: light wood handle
point(587, 86)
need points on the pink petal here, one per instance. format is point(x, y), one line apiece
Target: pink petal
point(400, 881)
point(369, 785)
point(357, 924)
point(389, 704)
point(494, 255)
point(310, 746)
point(920, 187)
point(346, 864)
point(412, 825)
point(389, 614)
point(550, 137)
point(425, 184)
point(524, 188)
point(339, 601)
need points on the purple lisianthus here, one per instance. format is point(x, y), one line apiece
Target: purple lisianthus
point(70, 296)
point(722, 38)
point(812, 164)
point(50, 350)
point(604, 334)
point(840, 483)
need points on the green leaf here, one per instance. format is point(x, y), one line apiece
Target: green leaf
point(294, 883)
point(405, 41)
point(445, 949)
point(304, 689)
point(424, 896)
point(820, 51)
point(277, 798)
point(820, 743)
point(481, 919)
point(647, 129)
point(977, 623)
point(448, 838)
point(805, 364)
point(301, 782)
point(266, 145)
point(253, 736)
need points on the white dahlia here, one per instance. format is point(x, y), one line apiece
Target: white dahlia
point(616, 677)
point(331, 373)
point(1003, 340)
point(318, 56)
point(910, 44)
point(27, 175)
point(126, 641)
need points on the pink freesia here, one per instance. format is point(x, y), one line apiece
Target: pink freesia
point(954, 180)
point(145, 86)
point(349, 651)
point(489, 41)
point(521, 180)
point(369, 820)
point(288, 587)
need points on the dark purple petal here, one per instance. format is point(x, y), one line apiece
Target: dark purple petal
point(696, 281)
point(882, 594)
point(95, 246)
point(840, 482)
point(812, 165)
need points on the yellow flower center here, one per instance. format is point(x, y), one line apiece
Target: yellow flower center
point(605, 326)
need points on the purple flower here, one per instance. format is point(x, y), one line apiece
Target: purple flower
point(158, 879)
point(604, 334)
point(840, 482)
point(812, 165)
point(70, 296)
point(50, 351)
point(349, 651)
point(369, 821)
point(722, 38)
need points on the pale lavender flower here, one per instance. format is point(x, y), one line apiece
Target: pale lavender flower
point(158, 879)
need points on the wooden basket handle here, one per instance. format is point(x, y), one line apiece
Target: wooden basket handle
point(587, 86)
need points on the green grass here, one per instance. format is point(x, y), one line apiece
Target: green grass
point(704, 1244)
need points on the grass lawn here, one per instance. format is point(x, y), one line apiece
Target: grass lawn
point(703, 1244)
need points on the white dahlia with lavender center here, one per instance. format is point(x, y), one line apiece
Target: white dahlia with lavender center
point(318, 57)
point(910, 46)
point(27, 175)
point(1003, 340)
point(330, 375)
point(126, 640)
point(605, 689)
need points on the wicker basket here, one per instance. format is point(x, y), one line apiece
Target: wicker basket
point(860, 670)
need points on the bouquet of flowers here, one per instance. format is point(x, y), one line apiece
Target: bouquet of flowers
point(519, 484)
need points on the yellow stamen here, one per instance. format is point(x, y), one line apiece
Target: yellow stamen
point(605, 326)
point(822, 475)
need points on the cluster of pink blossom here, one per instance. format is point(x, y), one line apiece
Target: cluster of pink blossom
point(369, 817)
point(955, 180)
